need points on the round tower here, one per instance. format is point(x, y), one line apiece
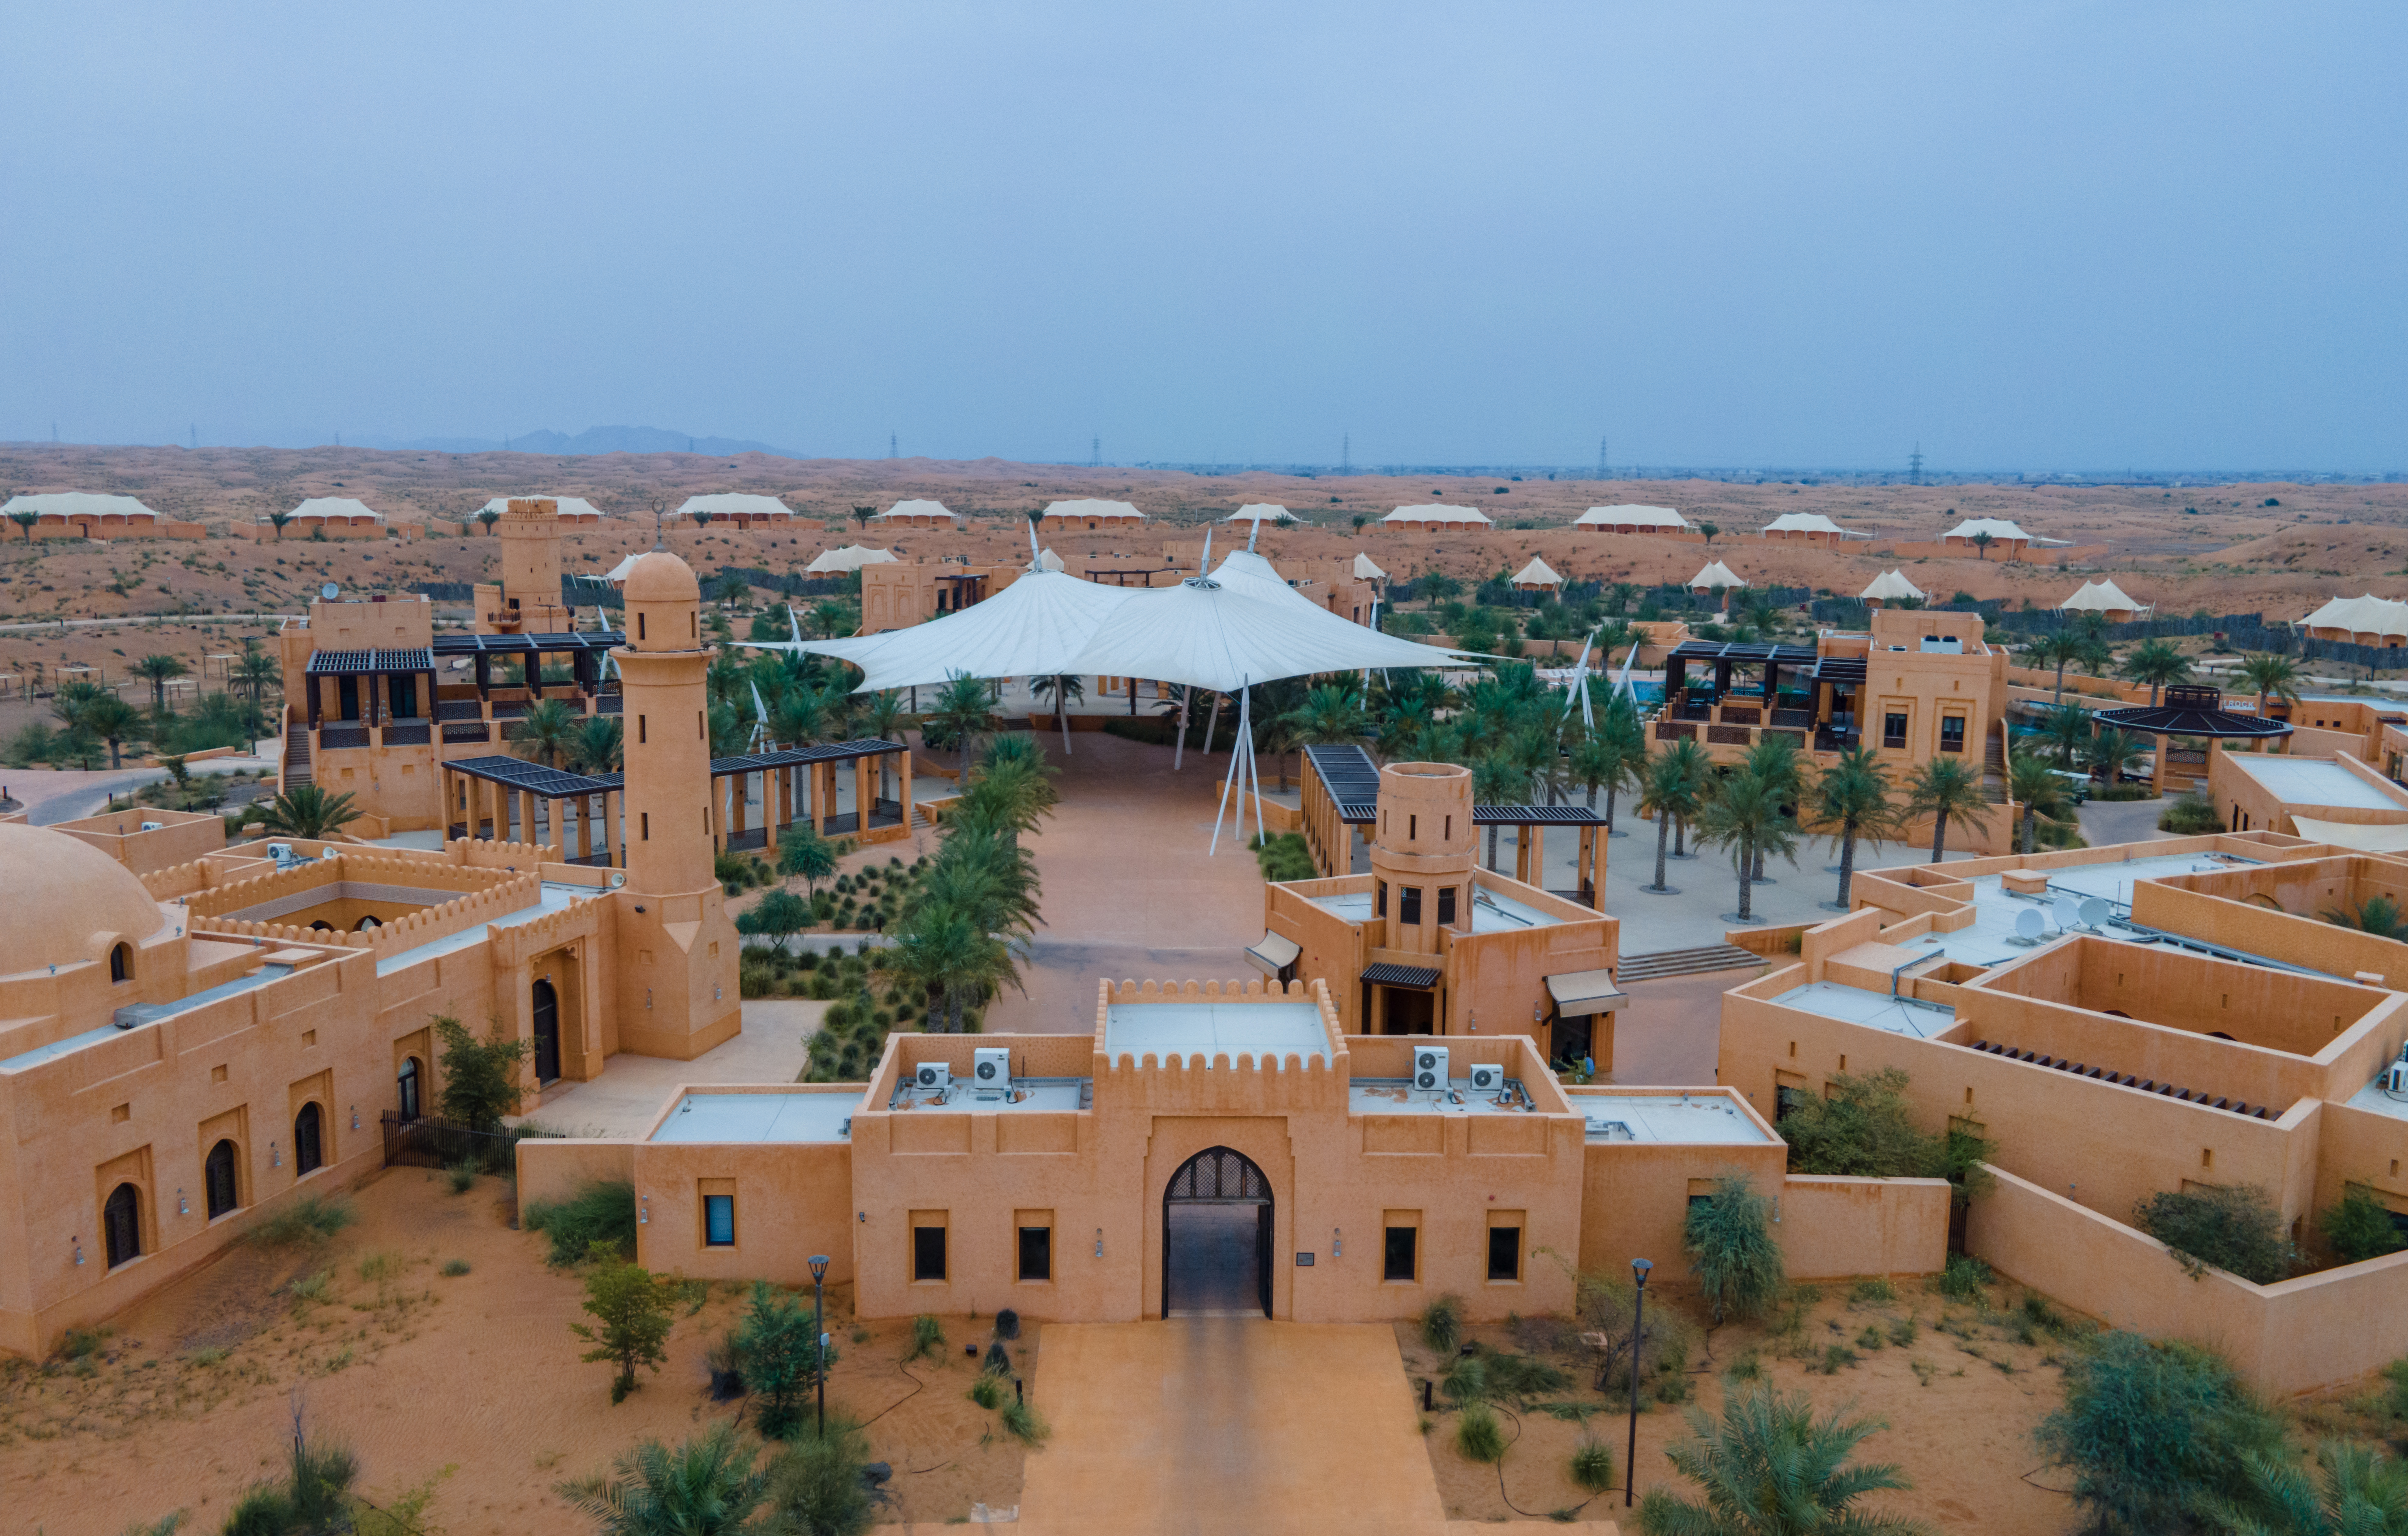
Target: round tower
point(666, 726)
point(1423, 851)
point(529, 529)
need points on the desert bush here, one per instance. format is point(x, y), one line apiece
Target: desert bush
point(1770, 1453)
point(1284, 858)
point(1027, 1424)
point(601, 1213)
point(1961, 1279)
point(462, 1175)
point(1875, 1291)
point(2232, 1227)
point(455, 1267)
point(706, 1486)
point(817, 1487)
point(1729, 1239)
point(777, 1347)
point(480, 1077)
point(631, 1323)
point(987, 1390)
point(1477, 1436)
point(1866, 1131)
point(1606, 1304)
point(312, 1287)
point(1466, 1379)
point(1592, 1466)
point(1442, 1323)
point(2146, 1426)
point(312, 1218)
point(380, 1265)
point(928, 1337)
point(2358, 1228)
point(2190, 816)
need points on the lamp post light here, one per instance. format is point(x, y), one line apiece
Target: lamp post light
point(1639, 1268)
point(819, 1320)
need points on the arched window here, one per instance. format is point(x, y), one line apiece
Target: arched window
point(406, 1086)
point(308, 1154)
point(365, 924)
point(321, 922)
point(121, 962)
point(218, 1181)
point(120, 1222)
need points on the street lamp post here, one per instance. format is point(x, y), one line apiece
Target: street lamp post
point(1639, 1268)
point(819, 1320)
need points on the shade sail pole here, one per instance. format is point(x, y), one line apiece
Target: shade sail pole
point(1179, 748)
point(1213, 727)
point(1253, 771)
point(1226, 780)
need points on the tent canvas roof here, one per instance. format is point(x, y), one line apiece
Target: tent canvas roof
point(1048, 560)
point(565, 505)
point(722, 503)
point(917, 508)
point(1808, 523)
point(317, 508)
point(1028, 629)
point(1092, 507)
point(1260, 511)
point(1890, 586)
point(2101, 597)
point(2366, 839)
point(1223, 637)
point(1537, 573)
point(78, 504)
point(1437, 514)
point(1996, 528)
point(2363, 615)
point(618, 573)
point(1643, 517)
point(1716, 574)
point(1365, 571)
point(851, 558)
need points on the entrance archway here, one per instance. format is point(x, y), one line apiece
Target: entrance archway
point(1217, 1236)
point(547, 1032)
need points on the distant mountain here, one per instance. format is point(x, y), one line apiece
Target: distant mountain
point(594, 439)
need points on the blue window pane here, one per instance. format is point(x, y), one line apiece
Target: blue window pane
point(719, 1220)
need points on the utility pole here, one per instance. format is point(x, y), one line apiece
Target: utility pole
point(1914, 465)
point(1346, 453)
point(890, 446)
point(1095, 452)
point(1601, 458)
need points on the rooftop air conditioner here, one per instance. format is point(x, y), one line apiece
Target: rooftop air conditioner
point(1487, 1078)
point(1429, 1067)
point(2395, 1077)
point(280, 851)
point(991, 1068)
point(153, 826)
point(932, 1074)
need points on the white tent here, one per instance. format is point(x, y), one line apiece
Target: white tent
point(1365, 571)
point(1890, 586)
point(1716, 574)
point(563, 506)
point(618, 573)
point(851, 558)
point(318, 509)
point(1048, 560)
point(1031, 628)
point(1637, 518)
point(1224, 636)
point(1799, 524)
point(1092, 510)
point(1467, 517)
point(2365, 615)
point(2100, 597)
point(734, 504)
point(1538, 573)
point(915, 513)
point(1260, 511)
point(1998, 528)
point(79, 504)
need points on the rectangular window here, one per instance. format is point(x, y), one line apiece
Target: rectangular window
point(644, 820)
point(701, 731)
point(1378, 899)
point(1036, 1253)
point(1951, 733)
point(1505, 1245)
point(643, 729)
point(1408, 904)
point(1400, 1253)
point(1413, 827)
point(718, 1221)
point(639, 626)
point(927, 1245)
point(1445, 905)
point(1894, 731)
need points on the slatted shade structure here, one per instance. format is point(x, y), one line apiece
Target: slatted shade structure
point(584, 649)
point(798, 786)
point(404, 673)
point(1768, 662)
point(1351, 781)
point(1390, 974)
point(2192, 709)
point(480, 793)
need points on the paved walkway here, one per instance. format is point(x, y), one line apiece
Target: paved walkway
point(771, 1048)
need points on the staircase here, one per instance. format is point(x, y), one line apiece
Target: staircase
point(1662, 963)
point(297, 758)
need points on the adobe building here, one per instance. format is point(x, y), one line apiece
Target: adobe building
point(184, 1050)
point(898, 593)
point(1221, 1149)
point(2122, 1022)
point(86, 514)
point(1088, 515)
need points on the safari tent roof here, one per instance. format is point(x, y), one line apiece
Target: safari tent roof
point(1890, 586)
point(1092, 507)
point(1809, 522)
point(1996, 528)
point(2100, 597)
point(917, 508)
point(1365, 571)
point(78, 504)
point(1716, 574)
point(1466, 515)
point(1260, 511)
point(318, 509)
point(1538, 573)
point(734, 503)
point(1639, 517)
point(851, 558)
point(2362, 615)
point(1048, 560)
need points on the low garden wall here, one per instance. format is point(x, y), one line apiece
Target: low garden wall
point(1832, 1227)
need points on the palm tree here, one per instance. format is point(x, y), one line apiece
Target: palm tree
point(2067, 728)
point(2355, 1491)
point(1854, 796)
point(2156, 663)
point(831, 618)
point(1668, 792)
point(25, 519)
point(158, 667)
point(964, 712)
point(883, 715)
point(2272, 677)
point(306, 810)
point(707, 1487)
point(1770, 1468)
point(1534, 750)
point(112, 720)
point(942, 951)
point(598, 745)
point(488, 516)
point(1744, 815)
point(256, 672)
point(1065, 690)
point(2113, 752)
point(546, 731)
point(798, 718)
point(1776, 760)
point(2034, 786)
point(1013, 783)
point(1941, 788)
point(1495, 782)
point(1982, 542)
point(861, 516)
point(277, 520)
point(1606, 759)
point(2379, 915)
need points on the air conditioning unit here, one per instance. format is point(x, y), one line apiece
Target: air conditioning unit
point(1429, 1067)
point(2395, 1077)
point(280, 851)
point(153, 826)
point(1487, 1078)
point(932, 1076)
point(991, 1068)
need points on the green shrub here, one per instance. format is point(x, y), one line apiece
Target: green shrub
point(987, 1391)
point(2190, 816)
point(1466, 1380)
point(1834, 1357)
point(2149, 1427)
point(2232, 1227)
point(1729, 1239)
point(1476, 1436)
point(1873, 1292)
point(1962, 1279)
point(601, 1213)
point(454, 1268)
point(1442, 1323)
point(462, 1175)
point(1284, 857)
point(928, 1337)
point(815, 1487)
point(777, 1347)
point(2358, 1228)
point(312, 1218)
point(312, 1287)
point(1871, 1337)
point(480, 1077)
point(631, 1328)
point(80, 1343)
point(1901, 1331)
point(1865, 1130)
point(1592, 1468)
point(1025, 1423)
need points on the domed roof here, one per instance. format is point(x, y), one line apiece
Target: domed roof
point(57, 892)
point(661, 577)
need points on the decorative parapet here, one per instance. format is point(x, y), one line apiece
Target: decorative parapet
point(1238, 991)
point(1223, 1085)
point(484, 854)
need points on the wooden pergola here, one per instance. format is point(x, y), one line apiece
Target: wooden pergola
point(798, 786)
point(480, 793)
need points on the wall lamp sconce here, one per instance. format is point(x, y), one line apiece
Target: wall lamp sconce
point(863, 1215)
point(78, 1253)
point(1337, 1244)
point(1099, 1242)
point(275, 1159)
point(644, 1211)
point(355, 1117)
point(648, 991)
point(1475, 1024)
point(184, 1207)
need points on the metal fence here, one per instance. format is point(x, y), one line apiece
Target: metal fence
point(427, 1142)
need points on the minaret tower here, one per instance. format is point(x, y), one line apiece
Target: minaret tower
point(677, 950)
point(1423, 851)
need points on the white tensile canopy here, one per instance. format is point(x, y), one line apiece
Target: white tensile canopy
point(1890, 586)
point(1631, 517)
point(318, 509)
point(1090, 506)
point(1048, 560)
point(565, 506)
point(1716, 574)
point(1028, 629)
point(1224, 636)
point(1810, 523)
point(1365, 571)
point(2364, 615)
point(2100, 597)
point(1538, 573)
point(617, 575)
point(905, 511)
point(78, 504)
point(851, 558)
point(1467, 516)
point(1260, 511)
point(733, 504)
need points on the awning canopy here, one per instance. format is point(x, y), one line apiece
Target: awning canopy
point(2366, 839)
point(1387, 973)
point(1581, 993)
point(533, 778)
point(1273, 953)
point(1207, 635)
point(1028, 629)
point(528, 645)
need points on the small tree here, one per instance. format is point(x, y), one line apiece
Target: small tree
point(1770, 1468)
point(2358, 1228)
point(816, 1488)
point(632, 1322)
point(25, 519)
point(480, 1077)
point(1982, 542)
point(777, 917)
point(704, 1487)
point(2035, 786)
point(158, 669)
point(805, 853)
point(2233, 1227)
point(777, 1345)
point(2149, 1427)
point(1729, 1239)
point(1943, 788)
point(306, 811)
point(488, 516)
point(111, 719)
point(1852, 797)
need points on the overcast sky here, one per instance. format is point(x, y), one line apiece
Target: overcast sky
point(2028, 235)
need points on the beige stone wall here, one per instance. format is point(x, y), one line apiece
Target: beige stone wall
point(1833, 1227)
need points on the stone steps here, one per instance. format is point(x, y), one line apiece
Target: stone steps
point(1659, 964)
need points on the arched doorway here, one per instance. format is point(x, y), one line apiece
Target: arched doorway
point(547, 1032)
point(405, 1090)
point(1217, 1236)
point(218, 1181)
point(309, 1142)
point(121, 1223)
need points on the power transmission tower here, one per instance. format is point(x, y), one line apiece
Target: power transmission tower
point(1346, 453)
point(1914, 465)
point(1601, 458)
point(1095, 454)
point(890, 447)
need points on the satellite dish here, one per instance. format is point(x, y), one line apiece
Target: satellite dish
point(2065, 912)
point(2093, 910)
point(2029, 923)
point(330, 592)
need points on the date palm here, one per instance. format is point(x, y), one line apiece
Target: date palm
point(1496, 781)
point(707, 1487)
point(2067, 729)
point(1065, 690)
point(598, 746)
point(545, 732)
point(2034, 786)
point(159, 668)
point(1670, 788)
point(964, 712)
point(1744, 815)
point(306, 810)
point(2156, 663)
point(2354, 1491)
point(1941, 789)
point(1852, 797)
point(2113, 752)
point(1770, 1468)
point(799, 719)
point(256, 672)
point(2271, 677)
point(2379, 915)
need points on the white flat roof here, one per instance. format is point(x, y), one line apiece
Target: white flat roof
point(1207, 1029)
point(554, 898)
point(2309, 780)
point(964, 1098)
point(72, 1043)
point(2375, 1100)
point(1667, 1119)
point(1397, 1096)
point(1490, 912)
point(706, 1116)
point(1857, 1006)
point(1992, 939)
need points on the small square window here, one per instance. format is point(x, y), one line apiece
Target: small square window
point(718, 1221)
point(1951, 733)
point(1894, 731)
point(1445, 905)
point(1036, 1253)
point(1408, 904)
point(927, 1252)
point(1504, 1253)
point(1402, 1251)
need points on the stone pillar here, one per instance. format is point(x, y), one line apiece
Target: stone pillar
point(862, 797)
point(903, 773)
